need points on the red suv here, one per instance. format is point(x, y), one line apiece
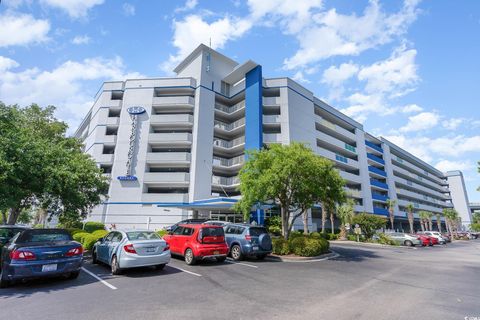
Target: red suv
point(198, 241)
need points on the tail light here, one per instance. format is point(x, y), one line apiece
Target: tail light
point(74, 252)
point(167, 247)
point(129, 248)
point(22, 255)
point(248, 237)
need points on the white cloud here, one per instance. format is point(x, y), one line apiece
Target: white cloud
point(7, 63)
point(70, 86)
point(193, 30)
point(189, 5)
point(348, 34)
point(448, 165)
point(22, 29)
point(128, 9)
point(334, 76)
point(453, 123)
point(81, 40)
point(421, 121)
point(74, 8)
point(411, 108)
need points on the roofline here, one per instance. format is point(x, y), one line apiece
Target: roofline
point(195, 52)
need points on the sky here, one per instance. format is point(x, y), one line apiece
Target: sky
point(407, 70)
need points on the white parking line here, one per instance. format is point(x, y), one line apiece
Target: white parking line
point(99, 279)
point(243, 264)
point(183, 270)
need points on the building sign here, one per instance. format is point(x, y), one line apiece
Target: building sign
point(134, 112)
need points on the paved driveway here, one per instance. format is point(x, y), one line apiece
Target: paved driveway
point(362, 283)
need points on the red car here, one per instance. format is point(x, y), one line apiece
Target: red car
point(196, 242)
point(426, 240)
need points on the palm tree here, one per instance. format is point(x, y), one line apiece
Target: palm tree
point(423, 218)
point(410, 215)
point(451, 217)
point(429, 219)
point(439, 222)
point(391, 207)
point(345, 213)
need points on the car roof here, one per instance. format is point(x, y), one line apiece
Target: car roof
point(198, 225)
point(132, 230)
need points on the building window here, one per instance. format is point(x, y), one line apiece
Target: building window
point(117, 95)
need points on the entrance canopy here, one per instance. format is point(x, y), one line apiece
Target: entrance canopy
point(220, 203)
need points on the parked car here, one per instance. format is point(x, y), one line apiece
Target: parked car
point(196, 242)
point(216, 223)
point(247, 241)
point(447, 237)
point(36, 253)
point(8, 232)
point(426, 240)
point(405, 239)
point(125, 249)
point(186, 221)
point(435, 234)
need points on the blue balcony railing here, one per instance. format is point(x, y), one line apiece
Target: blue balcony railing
point(380, 211)
point(377, 171)
point(373, 146)
point(378, 184)
point(379, 196)
point(375, 158)
point(341, 158)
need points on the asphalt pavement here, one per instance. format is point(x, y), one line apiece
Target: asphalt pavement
point(363, 282)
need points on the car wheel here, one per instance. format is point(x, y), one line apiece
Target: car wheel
point(189, 257)
point(221, 259)
point(4, 283)
point(115, 267)
point(261, 257)
point(94, 257)
point(160, 266)
point(408, 243)
point(74, 275)
point(236, 252)
point(430, 244)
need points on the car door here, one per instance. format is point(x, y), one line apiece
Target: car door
point(185, 239)
point(113, 245)
point(230, 232)
point(102, 247)
point(173, 239)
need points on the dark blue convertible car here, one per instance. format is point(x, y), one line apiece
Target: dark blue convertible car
point(36, 253)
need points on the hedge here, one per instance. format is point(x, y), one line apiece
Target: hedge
point(79, 236)
point(88, 241)
point(73, 231)
point(99, 233)
point(161, 233)
point(280, 246)
point(301, 245)
point(92, 226)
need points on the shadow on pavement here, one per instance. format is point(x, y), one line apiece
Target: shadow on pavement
point(353, 254)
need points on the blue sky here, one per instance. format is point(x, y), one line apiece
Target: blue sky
point(408, 70)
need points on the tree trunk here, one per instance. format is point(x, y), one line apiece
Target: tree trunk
point(284, 223)
point(13, 216)
point(305, 222)
point(410, 221)
point(4, 217)
point(324, 218)
point(332, 231)
point(421, 225)
point(392, 218)
point(439, 224)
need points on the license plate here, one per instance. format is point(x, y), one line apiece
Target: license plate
point(152, 249)
point(255, 247)
point(49, 267)
point(216, 252)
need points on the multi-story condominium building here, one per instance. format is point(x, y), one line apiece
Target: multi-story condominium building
point(173, 147)
point(460, 197)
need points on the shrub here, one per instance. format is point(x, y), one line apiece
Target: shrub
point(92, 226)
point(274, 225)
point(38, 226)
point(73, 231)
point(161, 233)
point(88, 241)
point(295, 234)
point(316, 235)
point(384, 239)
point(99, 233)
point(369, 223)
point(351, 237)
point(280, 246)
point(79, 236)
point(308, 247)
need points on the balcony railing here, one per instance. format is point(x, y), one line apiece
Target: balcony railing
point(377, 171)
point(379, 196)
point(228, 144)
point(341, 158)
point(350, 148)
point(375, 158)
point(229, 126)
point(228, 162)
point(378, 184)
point(373, 146)
point(225, 181)
point(231, 109)
point(380, 211)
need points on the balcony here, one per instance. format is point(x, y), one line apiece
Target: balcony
point(165, 197)
point(377, 171)
point(419, 206)
point(337, 158)
point(380, 211)
point(373, 146)
point(378, 184)
point(335, 128)
point(170, 138)
point(272, 138)
point(183, 120)
point(160, 178)
point(271, 101)
point(104, 158)
point(107, 139)
point(173, 101)
point(353, 192)
point(418, 171)
point(228, 144)
point(271, 119)
point(229, 126)
point(379, 197)
point(168, 157)
point(418, 178)
point(421, 197)
point(227, 163)
point(112, 121)
point(410, 184)
point(375, 158)
point(225, 181)
point(350, 177)
point(231, 109)
point(331, 142)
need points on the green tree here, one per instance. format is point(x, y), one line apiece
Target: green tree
point(424, 215)
point(291, 176)
point(451, 219)
point(369, 223)
point(410, 216)
point(476, 217)
point(429, 220)
point(345, 213)
point(41, 166)
point(391, 214)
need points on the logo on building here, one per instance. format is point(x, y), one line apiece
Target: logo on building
point(134, 112)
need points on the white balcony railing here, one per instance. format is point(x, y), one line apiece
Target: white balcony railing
point(217, 161)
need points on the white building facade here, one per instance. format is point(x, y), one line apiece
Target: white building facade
point(173, 147)
point(460, 197)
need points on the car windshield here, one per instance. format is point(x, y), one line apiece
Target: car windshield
point(53, 235)
point(212, 232)
point(256, 232)
point(142, 235)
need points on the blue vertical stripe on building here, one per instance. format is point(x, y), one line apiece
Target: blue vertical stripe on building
point(253, 109)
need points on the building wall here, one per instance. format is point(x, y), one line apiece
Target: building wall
point(460, 197)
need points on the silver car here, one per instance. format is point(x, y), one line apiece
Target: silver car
point(405, 239)
point(124, 249)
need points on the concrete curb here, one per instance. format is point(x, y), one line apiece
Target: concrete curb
point(322, 257)
point(368, 244)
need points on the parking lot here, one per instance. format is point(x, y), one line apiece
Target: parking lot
point(363, 282)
